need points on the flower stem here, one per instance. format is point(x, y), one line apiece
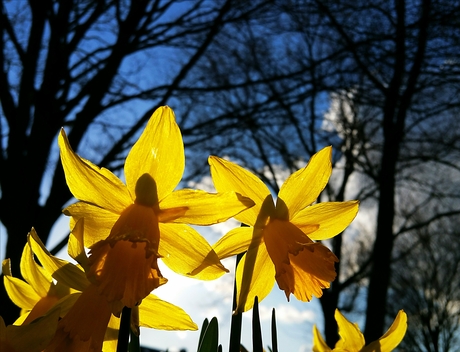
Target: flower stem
point(123, 333)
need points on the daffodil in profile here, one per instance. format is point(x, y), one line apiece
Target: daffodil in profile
point(88, 322)
point(352, 340)
point(37, 293)
point(129, 226)
point(279, 239)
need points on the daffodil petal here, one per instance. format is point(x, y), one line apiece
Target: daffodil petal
point(228, 176)
point(203, 208)
point(158, 314)
point(20, 292)
point(332, 218)
point(351, 338)
point(319, 345)
point(303, 187)
point(186, 252)
point(234, 242)
point(92, 184)
point(33, 337)
point(392, 337)
point(60, 269)
point(158, 152)
point(312, 270)
point(111, 334)
point(255, 276)
point(97, 221)
point(75, 246)
point(37, 277)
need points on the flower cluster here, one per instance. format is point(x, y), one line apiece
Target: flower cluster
point(120, 229)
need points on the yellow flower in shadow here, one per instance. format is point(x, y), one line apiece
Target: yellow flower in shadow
point(352, 340)
point(129, 226)
point(31, 337)
point(87, 321)
point(279, 239)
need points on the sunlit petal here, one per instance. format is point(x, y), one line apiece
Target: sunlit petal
point(158, 314)
point(392, 337)
point(351, 338)
point(111, 334)
point(61, 270)
point(92, 184)
point(303, 187)
point(319, 345)
point(124, 272)
point(333, 218)
point(158, 152)
point(98, 221)
point(303, 268)
point(312, 270)
point(75, 245)
point(20, 292)
point(234, 242)
point(34, 274)
point(203, 208)
point(186, 252)
point(228, 177)
point(255, 276)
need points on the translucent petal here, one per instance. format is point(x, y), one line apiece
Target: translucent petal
point(158, 152)
point(255, 276)
point(75, 246)
point(123, 271)
point(186, 252)
point(98, 222)
point(312, 270)
point(21, 293)
point(92, 184)
point(351, 338)
point(228, 176)
point(158, 314)
point(38, 278)
point(203, 208)
point(319, 345)
point(111, 334)
point(392, 337)
point(332, 218)
point(61, 270)
point(303, 187)
point(303, 268)
point(234, 242)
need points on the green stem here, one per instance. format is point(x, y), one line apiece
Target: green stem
point(125, 327)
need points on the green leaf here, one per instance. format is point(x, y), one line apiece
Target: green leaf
point(274, 334)
point(209, 337)
point(257, 345)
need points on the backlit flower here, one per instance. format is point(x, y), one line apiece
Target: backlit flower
point(352, 340)
point(279, 239)
point(130, 225)
point(88, 322)
point(38, 293)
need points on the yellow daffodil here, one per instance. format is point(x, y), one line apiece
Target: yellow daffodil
point(31, 337)
point(130, 225)
point(352, 340)
point(38, 293)
point(279, 239)
point(88, 322)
